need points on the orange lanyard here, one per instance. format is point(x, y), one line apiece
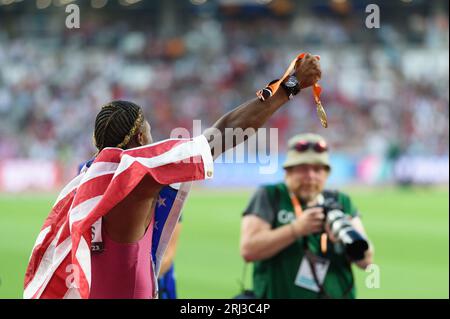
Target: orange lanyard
point(298, 212)
point(317, 89)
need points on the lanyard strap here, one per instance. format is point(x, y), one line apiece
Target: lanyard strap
point(296, 204)
point(299, 212)
point(309, 255)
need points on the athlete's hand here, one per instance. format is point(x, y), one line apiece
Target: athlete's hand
point(308, 71)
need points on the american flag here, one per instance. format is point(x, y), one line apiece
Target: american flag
point(60, 262)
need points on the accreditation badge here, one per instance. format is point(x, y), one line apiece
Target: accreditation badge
point(305, 278)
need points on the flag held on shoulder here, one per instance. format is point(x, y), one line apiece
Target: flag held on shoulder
point(60, 262)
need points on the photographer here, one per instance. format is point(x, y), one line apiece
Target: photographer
point(302, 238)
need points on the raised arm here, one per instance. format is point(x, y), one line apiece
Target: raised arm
point(255, 113)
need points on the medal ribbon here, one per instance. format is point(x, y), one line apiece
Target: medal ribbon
point(273, 87)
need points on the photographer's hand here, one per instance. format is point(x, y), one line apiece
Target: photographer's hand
point(310, 222)
point(331, 237)
point(330, 234)
point(368, 256)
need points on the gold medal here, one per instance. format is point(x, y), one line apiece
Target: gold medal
point(321, 114)
point(320, 110)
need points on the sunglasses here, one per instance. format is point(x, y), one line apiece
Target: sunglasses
point(318, 147)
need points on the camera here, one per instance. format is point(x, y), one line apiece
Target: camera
point(355, 244)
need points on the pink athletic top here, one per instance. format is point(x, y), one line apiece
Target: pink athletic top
point(123, 271)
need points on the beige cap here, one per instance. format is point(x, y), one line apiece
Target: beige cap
point(310, 156)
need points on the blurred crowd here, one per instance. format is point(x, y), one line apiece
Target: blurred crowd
point(385, 90)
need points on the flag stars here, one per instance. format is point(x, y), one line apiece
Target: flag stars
point(161, 201)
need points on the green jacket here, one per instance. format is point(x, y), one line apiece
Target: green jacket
point(275, 277)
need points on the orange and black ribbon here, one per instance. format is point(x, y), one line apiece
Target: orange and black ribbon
point(273, 87)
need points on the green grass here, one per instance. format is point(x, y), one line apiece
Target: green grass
point(409, 229)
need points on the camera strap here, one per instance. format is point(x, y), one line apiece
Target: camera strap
point(298, 212)
point(310, 257)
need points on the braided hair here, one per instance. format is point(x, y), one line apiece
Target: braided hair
point(116, 124)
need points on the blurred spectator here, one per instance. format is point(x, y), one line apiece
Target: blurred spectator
point(394, 90)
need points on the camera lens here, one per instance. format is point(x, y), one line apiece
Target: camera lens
point(355, 244)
